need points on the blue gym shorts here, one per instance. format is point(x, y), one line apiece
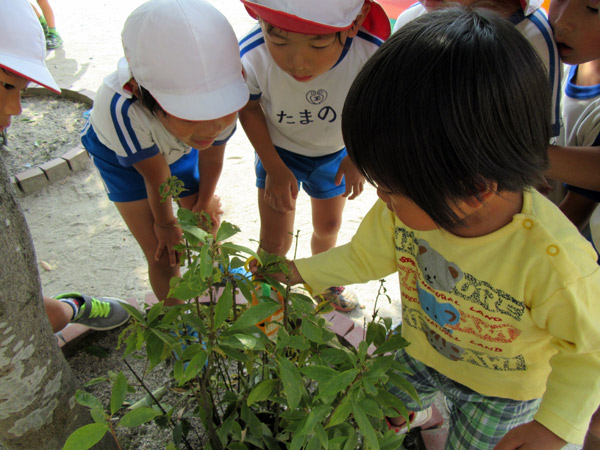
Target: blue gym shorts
point(316, 175)
point(125, 184)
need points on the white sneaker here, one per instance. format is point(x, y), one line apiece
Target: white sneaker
point(416, 420)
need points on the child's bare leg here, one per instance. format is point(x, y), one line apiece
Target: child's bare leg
point(47, 12)
point(276, 228)
point(327, 220)
point(59, 313)
point(139, 220)
point(592, 438)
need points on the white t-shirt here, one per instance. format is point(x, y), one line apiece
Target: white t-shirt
point(580, 113)
point(536, 28)
point(304, 118)
point(129, 129)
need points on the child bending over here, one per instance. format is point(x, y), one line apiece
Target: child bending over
point(300, 62)
point(168, 110)
point(499, 290)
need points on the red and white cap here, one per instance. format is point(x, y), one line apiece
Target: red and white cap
point(319, 16)
point(23, 44)
point(529, 6)
point(185, 53)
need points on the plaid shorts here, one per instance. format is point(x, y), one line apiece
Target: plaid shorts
point(476, 421)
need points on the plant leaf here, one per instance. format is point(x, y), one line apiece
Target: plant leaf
point(223, 308)
point(118, 393)
point(292, 382)
point(261, 391)
point(86, 436)
point(138, 417)
point(256, 313)
point(365, 426)
point(226, 230)
point(87, 399)
point(342, 411)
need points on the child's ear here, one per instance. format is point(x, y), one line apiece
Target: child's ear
point(135, 88)
point(484, 194)
point(353, 31)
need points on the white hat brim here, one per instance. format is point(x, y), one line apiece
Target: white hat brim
point(36, 72)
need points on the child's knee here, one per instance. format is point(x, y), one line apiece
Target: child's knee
point(276, 244)
point(327, 228)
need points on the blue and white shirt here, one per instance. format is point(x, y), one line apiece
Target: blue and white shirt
point(129, 129)
point(536, 28)
point(304, 118)
point(580, 113)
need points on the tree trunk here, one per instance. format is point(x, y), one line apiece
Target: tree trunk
point(37, 387)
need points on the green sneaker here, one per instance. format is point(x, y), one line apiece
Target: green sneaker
point(53, 41)
point(103, 313)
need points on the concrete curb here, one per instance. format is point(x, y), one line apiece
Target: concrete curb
point(73, 160)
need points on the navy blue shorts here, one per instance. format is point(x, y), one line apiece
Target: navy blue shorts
point(126, 184)
point(315, 175)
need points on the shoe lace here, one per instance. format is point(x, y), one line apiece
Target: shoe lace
point(99, 309)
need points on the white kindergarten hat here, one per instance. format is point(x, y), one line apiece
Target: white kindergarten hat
point(319, 16)
point(185, 53)
point(23, 44)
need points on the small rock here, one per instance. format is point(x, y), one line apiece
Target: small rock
point(47, 267)
point(362, 306)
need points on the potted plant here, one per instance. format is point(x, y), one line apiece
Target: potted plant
point(255, 361)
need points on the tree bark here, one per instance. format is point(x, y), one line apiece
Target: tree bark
point(37, 387)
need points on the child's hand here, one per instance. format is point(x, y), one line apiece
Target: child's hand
point(167, 236)
point(295, 277)
point(213, 208)
point(355, 182)
point(532, 436)
point(281, 190)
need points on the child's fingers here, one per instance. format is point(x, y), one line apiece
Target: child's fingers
point(338, 179)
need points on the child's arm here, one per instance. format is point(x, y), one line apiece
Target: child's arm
point(531, 435)
point(354, 180)
point(210, 164)
point(579, 166)
point(155, 171)
point(281, 186)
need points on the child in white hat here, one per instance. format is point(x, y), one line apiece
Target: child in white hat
point(529, 18)
point(22, 60)
point(168, 110)
point(300, 61)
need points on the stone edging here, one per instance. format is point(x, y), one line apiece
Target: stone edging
point(74, 160)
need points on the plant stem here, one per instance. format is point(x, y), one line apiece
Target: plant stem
point(149, 392)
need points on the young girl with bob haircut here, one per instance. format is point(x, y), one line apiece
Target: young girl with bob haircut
point(499, 290)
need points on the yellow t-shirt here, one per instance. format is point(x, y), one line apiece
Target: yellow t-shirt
point(513, 314)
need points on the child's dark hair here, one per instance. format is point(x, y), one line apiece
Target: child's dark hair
point(455, 101)
point(150, 102)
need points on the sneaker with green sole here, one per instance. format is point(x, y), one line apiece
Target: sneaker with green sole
point(53, 41)
point(102, 313)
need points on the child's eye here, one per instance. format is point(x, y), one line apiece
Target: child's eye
point(7, 86)
point(592, 9)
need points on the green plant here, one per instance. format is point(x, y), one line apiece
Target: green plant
point(299, 388)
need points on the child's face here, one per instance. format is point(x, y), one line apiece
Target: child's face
point(407, 211)
point(10, 96)
point(304, 56)
point(200, 134)
point(576, 26)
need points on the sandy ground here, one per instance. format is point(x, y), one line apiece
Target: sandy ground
point(80, 234)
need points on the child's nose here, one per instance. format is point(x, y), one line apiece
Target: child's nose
point(563, 19)
point(12, 104)
point(298, 60)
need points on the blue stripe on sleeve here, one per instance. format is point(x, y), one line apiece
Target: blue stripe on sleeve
point(249, 36)
point(251, 45)
point(541, 22)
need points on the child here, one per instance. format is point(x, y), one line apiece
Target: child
point(299, 62)
point(499, 290)
point(22, 59)
point(529, 18)
point(46, 18)
point(577, 32)
point(576, 27)
point(168, 110)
